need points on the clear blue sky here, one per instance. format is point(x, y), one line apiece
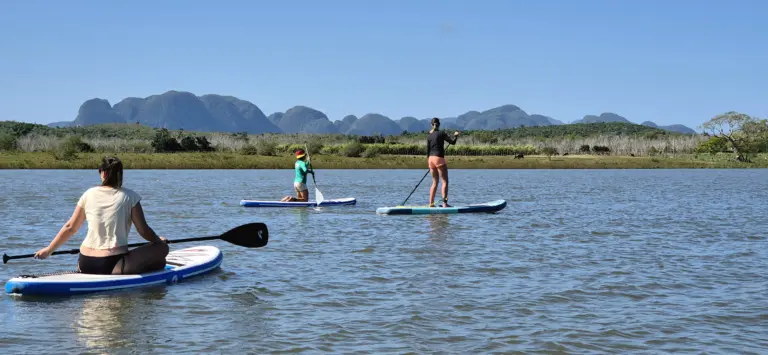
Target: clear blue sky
point(669, 61)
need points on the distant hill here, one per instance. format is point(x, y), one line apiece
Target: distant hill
point(674, 128)
point(218, 113)
point(612, 117)
point(372, 124)
point(603, 118)
point(60, 124)
point(177, 110)
point(302, 119)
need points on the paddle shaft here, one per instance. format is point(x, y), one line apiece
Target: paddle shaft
point(414, 189)
point(75, 251)
point(309, 163)
point(417, 185)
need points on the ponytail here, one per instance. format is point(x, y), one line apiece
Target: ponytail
point(112, 168)
point(435, 124)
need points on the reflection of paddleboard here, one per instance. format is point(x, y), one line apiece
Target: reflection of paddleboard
point(488, 207)
point(336, 202)
point(180, 264)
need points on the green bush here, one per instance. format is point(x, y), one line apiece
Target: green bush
point(330, 150)
point(203, 144)
point(372, 151)
point(266, 147)
point(353, 150)
point(188, 144)
point(713, 145)
point(164, 143)
point(7, 141)
point(314, 147)
point(249, 149)
point(69, 147)
point(600, 149)
point(549, 152)
point(75, 144)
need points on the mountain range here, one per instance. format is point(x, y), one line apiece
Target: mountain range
point(220, 113)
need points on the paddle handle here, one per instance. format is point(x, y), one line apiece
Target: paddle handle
point(75, 251)
point(6, 257)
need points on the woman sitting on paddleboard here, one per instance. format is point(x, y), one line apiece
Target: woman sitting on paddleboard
point(436, 160)
point(300, 182)
point(109, 209)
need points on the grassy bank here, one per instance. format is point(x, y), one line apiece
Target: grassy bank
point(223, 160)
point(613, 138)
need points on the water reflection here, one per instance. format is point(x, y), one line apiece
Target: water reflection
point(302, 214)
point(439, 225)
point(103, 319)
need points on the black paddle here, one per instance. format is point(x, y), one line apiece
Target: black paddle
point(309, 163)
point(251, 235)
point(318, 195)
point(414, 189)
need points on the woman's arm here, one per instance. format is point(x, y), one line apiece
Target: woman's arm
point(145, 231)
point(67, 231)
point(450, 139)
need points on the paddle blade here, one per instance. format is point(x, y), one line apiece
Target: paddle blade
point(318, 196)
point(252, 235)
point(5, 258)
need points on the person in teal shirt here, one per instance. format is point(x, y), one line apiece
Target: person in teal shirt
point(300, 182)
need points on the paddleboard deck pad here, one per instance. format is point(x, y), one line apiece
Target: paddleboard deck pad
point(335, 202)
point(488, 207)
point(180, 265)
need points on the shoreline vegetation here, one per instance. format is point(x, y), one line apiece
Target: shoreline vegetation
point(613, 145)
point(223, 160)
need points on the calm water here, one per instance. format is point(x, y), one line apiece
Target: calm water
point(616, 261)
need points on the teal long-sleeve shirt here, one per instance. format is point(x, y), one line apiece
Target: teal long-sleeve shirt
point(301, 171)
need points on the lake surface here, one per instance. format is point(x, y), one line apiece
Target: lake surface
point(580, 261)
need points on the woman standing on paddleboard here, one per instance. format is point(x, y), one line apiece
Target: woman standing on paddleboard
point(300, 182)
point(109, 209)
point(436, 160)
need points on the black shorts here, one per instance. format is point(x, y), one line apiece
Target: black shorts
point(100, 265)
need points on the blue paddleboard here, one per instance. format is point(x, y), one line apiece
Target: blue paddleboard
point(180, 265)
point(335, 202)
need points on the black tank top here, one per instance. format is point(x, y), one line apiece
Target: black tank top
point(436, 141)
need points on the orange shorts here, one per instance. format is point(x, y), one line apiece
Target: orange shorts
point(434, 162)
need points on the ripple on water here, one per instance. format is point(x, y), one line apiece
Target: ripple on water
point(579, 262)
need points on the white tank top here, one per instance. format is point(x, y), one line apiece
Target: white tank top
point(108, 212)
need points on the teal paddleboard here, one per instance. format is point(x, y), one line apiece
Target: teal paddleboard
point(488, 207)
